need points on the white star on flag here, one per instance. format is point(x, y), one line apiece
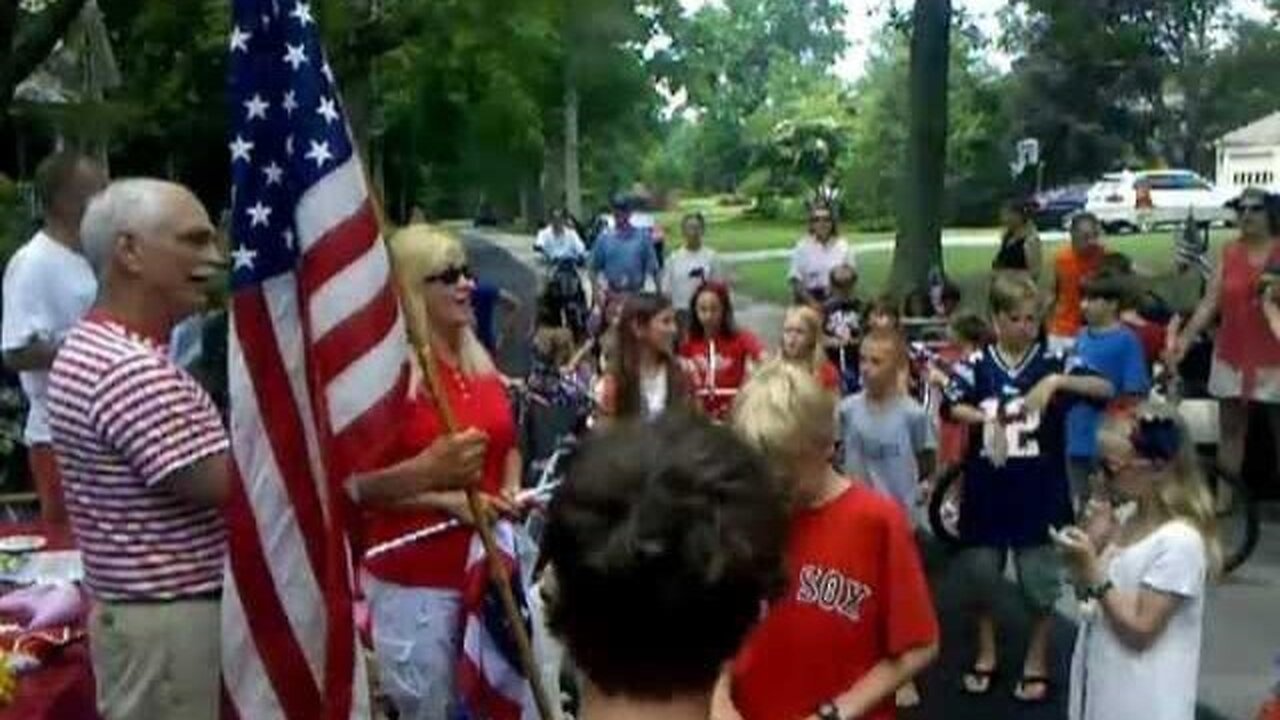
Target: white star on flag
point(290, 102)
point(288, 238)
point(274, 173)
point(240, 39)
point(288, 146)
point(256, 107)
point(302, 12)
point(240, 149)
point(327, 71)
point(242, 258)
point(295, 55)
point(259, 214)
point(328, 110)
point(319, 152)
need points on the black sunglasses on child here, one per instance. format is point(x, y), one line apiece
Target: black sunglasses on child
point(450, 276)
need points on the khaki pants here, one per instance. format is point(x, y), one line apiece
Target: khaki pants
point(155, 661)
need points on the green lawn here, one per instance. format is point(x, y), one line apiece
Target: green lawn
point(728, 230)
point(969, 267)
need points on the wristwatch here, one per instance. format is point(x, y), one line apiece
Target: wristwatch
point(829, 711)
point(1096, 592)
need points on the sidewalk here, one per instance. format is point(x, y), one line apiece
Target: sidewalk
point(1242, 618)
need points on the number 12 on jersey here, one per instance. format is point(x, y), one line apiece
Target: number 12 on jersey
point(1019, 431)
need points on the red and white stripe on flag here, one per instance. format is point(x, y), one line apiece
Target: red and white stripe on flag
point(317, 371)
point(491, 681)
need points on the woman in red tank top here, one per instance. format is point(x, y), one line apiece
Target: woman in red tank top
point(414, 588)
point(1246, 358)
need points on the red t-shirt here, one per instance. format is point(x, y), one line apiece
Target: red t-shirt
point(477, 402)
point(829, 376)
point(715, 391)
point(856, 594)
point(1152, 337)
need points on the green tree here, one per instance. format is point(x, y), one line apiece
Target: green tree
point(729, 56)
point(26, 39)
point(872, 169)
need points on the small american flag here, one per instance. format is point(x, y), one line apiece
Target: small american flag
point(491, 681)
point(316, 369)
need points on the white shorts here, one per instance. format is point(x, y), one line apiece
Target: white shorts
point(1227, 383)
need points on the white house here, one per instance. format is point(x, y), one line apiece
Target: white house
point(1250, 156)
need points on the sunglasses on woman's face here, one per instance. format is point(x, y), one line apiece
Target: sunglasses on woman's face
point(450, 276)
point(1246, 208)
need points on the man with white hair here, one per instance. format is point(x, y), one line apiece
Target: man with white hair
point(144, 456)
point(48, 286)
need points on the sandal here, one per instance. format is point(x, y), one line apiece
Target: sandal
point(1021, 694)
point(978, 681)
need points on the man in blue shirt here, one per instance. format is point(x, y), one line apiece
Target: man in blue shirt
point(623, 256)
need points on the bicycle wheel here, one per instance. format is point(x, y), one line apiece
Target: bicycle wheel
point(1238, 520)
point(944, 506)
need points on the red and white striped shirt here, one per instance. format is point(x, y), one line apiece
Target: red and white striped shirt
point(124, 418)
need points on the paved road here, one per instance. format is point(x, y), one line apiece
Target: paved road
point(1242, 628)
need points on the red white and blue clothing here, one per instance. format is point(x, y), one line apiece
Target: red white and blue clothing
point(1015, 504)
point(478, 402)
point(717, 368)
point(125, 419)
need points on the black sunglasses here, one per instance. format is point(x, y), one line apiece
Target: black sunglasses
point(450, 276)
point(1243, 208)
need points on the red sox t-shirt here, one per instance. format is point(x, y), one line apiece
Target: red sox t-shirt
point(856, 594)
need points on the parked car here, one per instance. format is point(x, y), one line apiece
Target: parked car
point(1053, 208)
point(1141, 201)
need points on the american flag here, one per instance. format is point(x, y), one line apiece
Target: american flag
point(316, 366)
point(491, 680)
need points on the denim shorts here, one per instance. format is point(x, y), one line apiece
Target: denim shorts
point(416, 633)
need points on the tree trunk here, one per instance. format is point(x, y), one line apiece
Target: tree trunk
point(919, 244)
point(572, 179)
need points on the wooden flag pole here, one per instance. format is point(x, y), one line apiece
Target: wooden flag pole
point(479, 515)
point(497, 571)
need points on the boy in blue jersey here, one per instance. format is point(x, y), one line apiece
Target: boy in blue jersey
point(1015, 484)
point(1107, 346)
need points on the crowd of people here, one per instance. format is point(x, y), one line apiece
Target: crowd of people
point(721, 477)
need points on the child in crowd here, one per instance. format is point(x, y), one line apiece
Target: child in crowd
point(802, 345)
point(1015, 485)
point(856, 621)
point(689, 267)
point(678, 528)
point(1138, 649)
point(718, 356)
point(843, 314)
point(967, 333)
point(883, 313)
point(643, 378)
point(888, 439)
point(1109, 348)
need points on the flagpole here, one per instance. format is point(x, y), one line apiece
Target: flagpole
point(479, 515)
point(497, 570)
